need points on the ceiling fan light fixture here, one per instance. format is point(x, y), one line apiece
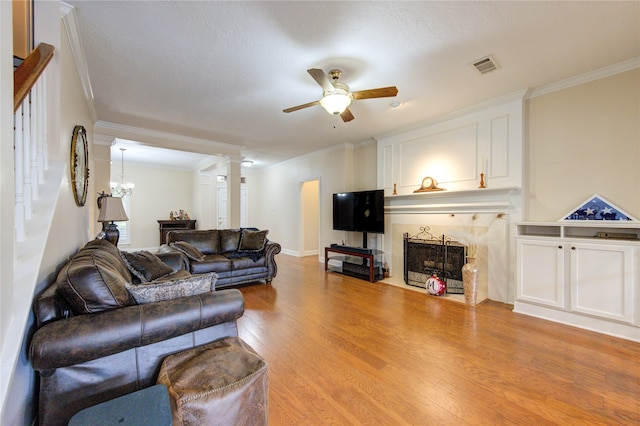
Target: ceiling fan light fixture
point(335, 102)
point(336, 96)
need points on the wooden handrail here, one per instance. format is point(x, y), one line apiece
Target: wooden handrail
point(26, 75)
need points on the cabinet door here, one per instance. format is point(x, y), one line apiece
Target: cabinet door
point(541, 272)
point(602, 280)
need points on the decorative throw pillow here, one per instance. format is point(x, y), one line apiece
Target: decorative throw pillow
point(253, 240)
point(229, 240)
point(145, 265)
point(169, 290)
point(94, 280)
point(190, 251)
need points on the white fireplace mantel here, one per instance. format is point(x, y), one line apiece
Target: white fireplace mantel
point(486, 200)
point(457, 150)
point(409, 211)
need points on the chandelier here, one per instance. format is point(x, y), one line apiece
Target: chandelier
point(122, 189)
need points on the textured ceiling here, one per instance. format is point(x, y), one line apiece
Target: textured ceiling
point(223, 71)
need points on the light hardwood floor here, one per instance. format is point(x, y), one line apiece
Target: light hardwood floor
point(343, 351)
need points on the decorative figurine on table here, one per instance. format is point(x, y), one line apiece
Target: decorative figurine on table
point(180, 215)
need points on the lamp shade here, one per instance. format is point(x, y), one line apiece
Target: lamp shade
point(335, 102)
point(111, 210)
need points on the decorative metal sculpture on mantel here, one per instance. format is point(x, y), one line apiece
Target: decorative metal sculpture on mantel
point(426, 255)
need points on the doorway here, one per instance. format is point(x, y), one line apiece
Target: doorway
point(310, 218)
point(223, 220)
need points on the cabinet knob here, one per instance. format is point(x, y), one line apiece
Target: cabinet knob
point(559, 247)
point(573, 248)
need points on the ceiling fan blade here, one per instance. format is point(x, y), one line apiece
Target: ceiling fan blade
point(383, 92)
point(321, 78)
point(346, 115)
point(295, 108)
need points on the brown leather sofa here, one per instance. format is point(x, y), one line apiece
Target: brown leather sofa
point(237, 256)
point(93, 341)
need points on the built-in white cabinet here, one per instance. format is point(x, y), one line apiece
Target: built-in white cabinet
point(583, 274)
point(541, 273)
point(601, 280)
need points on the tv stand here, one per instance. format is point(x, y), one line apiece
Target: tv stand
point(366, 265)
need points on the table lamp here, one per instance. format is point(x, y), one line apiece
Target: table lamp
point(111, 210)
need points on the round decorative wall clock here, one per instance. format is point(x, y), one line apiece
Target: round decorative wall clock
point(79, 164)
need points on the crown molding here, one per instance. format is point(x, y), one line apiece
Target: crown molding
point(140, 134)
point(587, 77)
point(70, 21)
point(106, 140)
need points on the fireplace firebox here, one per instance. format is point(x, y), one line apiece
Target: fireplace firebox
point(425, 255)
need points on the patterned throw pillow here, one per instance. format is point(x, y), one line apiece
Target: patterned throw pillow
point(169, 290)
point(145, 265)
point(190, 251)
point(252, 240)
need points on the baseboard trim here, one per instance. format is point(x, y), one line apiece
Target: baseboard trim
point(598, 325)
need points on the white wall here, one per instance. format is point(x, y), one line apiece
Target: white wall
point(73, 112)
point(6, 169)
point(275, 192)
point(363, 165)
point(70, 225)
point(157, 192)
point(8, 349)
point(99, 177)
point(310, 217)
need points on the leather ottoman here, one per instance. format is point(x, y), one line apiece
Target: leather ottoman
point(221, 383)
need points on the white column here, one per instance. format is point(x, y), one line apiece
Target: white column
point(233, 190)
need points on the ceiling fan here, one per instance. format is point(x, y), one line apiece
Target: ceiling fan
point(336, 96)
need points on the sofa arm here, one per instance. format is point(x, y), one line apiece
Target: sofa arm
point(86, 337)
point(270, 252)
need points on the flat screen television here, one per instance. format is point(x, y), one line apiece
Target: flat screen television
point(361, 211)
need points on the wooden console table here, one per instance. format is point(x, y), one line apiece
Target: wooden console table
point(170, 225)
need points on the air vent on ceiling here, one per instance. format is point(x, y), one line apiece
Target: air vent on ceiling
point(485, 65)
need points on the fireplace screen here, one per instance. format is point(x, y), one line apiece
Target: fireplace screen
point(425, 255)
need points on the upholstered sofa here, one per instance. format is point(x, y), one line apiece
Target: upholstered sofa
point(97, 338)
point(237, 256)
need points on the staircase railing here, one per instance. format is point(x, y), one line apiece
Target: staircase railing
point(30, 132)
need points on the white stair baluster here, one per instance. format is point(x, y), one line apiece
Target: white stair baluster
point(44, 158)
point(18, 182)
point(26, 156)
point(34, 142)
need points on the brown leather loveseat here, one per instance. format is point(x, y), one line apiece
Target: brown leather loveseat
point(237, 256)
point(95, 342)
